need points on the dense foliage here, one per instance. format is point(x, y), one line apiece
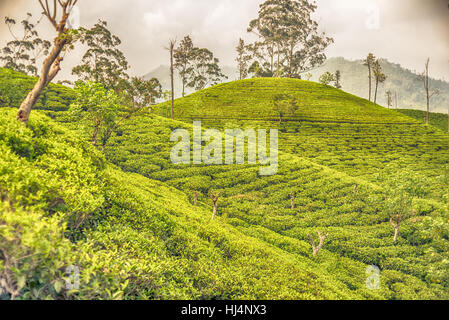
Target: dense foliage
point(134, 232)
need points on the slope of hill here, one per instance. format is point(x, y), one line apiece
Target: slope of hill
point(134, 232)
point(14, 86)
point(405, 82)
point(62, 206)
point(322, 161)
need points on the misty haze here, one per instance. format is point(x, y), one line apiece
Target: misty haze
point(214, 152)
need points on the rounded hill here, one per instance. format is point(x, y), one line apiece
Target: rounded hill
point(280, 99)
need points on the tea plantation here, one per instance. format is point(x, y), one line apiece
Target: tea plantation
point(128, 221)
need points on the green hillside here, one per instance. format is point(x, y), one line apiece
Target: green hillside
point(439, 120)
point(130, 236)
point(321, 160)
point(330, 127)
point(127, 219)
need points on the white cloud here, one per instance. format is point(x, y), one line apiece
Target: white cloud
point(409, 29)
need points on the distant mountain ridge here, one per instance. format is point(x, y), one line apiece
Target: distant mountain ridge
point(410, 90)
point(354, 80)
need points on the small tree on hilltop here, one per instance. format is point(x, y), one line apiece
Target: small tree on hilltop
point(337, 79)
point(389, 97)
point(424, 77)
point(243, 59)
point(399, 209)
point(285, 105)
point(369, 62)
point(183, 56)
point(103, 62)
point(326, 78)
point(379, 76)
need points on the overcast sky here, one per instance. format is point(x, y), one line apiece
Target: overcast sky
point(403, 31)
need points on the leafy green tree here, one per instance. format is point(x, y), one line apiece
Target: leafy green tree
point(389, 96)
point(399, 207)
point(263, 54)
point(317, 248)
point(103, 62)
point(326, 78)
point(379, 77)
point(369, 62)
point(424, 77)
point(183, 55)
point(289, 37)
point(52, 63)
point(22, 53)
point(102, 111)
point(143, 93)
point(214, 196)
point(205, 70)
point(258, 71)
point(171, 50)
point(243, 58)
point(285, 105)
point(98, 109)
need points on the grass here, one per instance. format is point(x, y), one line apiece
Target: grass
point(127, 218)
point(438, 120)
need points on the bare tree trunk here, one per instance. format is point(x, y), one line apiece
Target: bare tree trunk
point(292, 197)
point(317, 249)
point(171, 48)
point(278, 62)
point(396, 99)
point(214, 212)
point(426, 87)
point(51, 65)
point(214, 199)
point(375, 92)
point(395, 225)
point(447, 120)
point(50, 69)
point(356, 188)
point(195, 198)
